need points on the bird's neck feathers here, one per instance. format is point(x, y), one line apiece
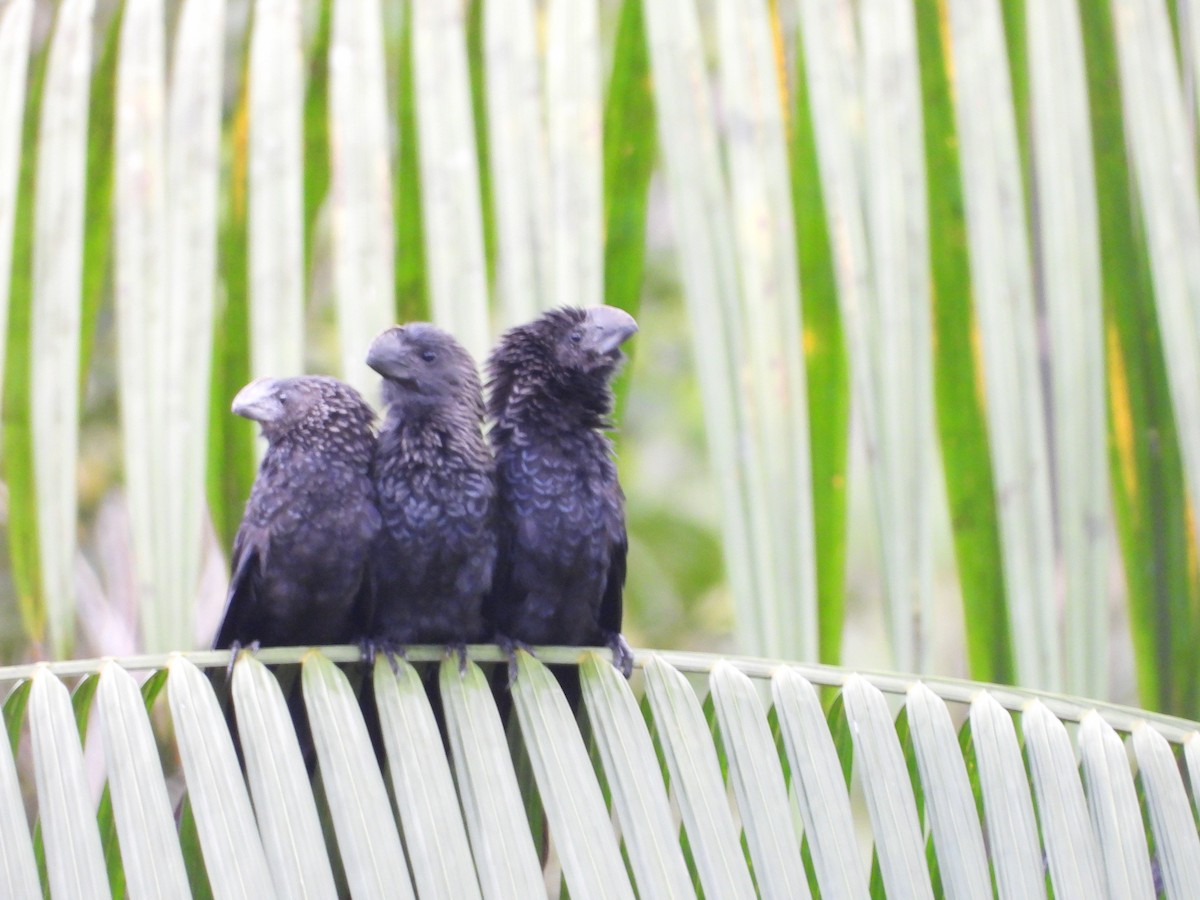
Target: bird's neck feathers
point(343, 438)
point(459, 410)
point(433, 430)
point(534, 390)
point(461, 399)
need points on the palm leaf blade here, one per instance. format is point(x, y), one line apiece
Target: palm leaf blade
point(233, 851)
point(763, 227)
point(1071, 848)
point(1113, 805)
point(1069, 263)
point(505, 857)
point(897, 229)
point(700, 209)
point(575, 810)
point(361, 184)
point(358, 801)
point(1177, 845)
point(283, 799)
point(56, 313)
point(639, 795)
point(193, 121)
point(1004, 302)
point(141, 267)
point(450, 195)
point(150, 854)
point(696, 782)
point(433, 829)
point(817, 781)
point(1161, 142)
point(15, 29)
point(890, 799)
point(275, 182)
point(573, 112)
point(520, 169)
point(758, 785)
point(1008, 808)
point(18, 871)
point(74, 858)
point(957, 836)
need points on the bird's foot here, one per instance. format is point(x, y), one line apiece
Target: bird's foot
point(235, 650)
point(458, 649)
point(509, 647)
point(368, 650)
point(622, 655)
point(393, 652)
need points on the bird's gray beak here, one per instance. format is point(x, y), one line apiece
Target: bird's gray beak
point(386, 354)
point(259, 401)
point(607, 328)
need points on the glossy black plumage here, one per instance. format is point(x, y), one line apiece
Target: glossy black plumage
point(299, 557)
point(561, 569)
point(431, 565)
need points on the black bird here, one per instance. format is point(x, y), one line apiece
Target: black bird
point(561, 568)
point(431, 565)
point(300, 554)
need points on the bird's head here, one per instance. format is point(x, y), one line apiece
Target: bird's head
point(588, 340)
point(559, 364)
point(313, 407)
point(422, 364)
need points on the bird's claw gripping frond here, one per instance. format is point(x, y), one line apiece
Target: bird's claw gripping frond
point(393, 653)
point(235, 650)
point(458, 649)
point(368, 650)
point(509, 647)
point(622, 655)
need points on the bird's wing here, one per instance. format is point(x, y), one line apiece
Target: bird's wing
point(610, 604)
point(249, 555)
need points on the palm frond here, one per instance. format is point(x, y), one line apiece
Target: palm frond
point(726, 779)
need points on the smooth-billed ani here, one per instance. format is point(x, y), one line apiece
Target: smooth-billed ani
point(431, 565)
point(561, 568)
point(299, 557)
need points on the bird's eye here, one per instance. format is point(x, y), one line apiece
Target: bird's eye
point(576, 337)
point(283, 398)
point(429, 356)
